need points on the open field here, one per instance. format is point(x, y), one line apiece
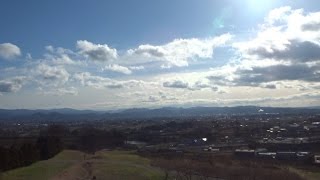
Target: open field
point(120, 165)
point(103, 165)
point(45, 169)
point(123, 165)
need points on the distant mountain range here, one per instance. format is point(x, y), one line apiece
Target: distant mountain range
point(138, 113)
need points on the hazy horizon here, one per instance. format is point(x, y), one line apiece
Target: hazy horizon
point(161, 107)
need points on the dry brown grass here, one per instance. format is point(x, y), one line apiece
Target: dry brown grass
point(222, 167)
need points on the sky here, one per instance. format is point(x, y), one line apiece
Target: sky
point(116, 54)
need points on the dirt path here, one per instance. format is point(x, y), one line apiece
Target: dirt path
point(76, 172)
point(84, 170)
point(79, 171)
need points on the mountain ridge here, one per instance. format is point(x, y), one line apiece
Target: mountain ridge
point(140, 113)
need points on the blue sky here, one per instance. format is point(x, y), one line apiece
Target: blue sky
point(122, 24)
point(118, 54)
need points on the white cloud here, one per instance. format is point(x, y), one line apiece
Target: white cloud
point(176, 84)
point(63, 59)
point(97, 52)
point(12, 84)
point(61, 91)
point(50, 48)
point(98, 82)
point(269, 86)
point(60, 59)
point(86, 79)
point(199, 84)
point(136, 67)
point(180, 51)
point(62, 56)
point(117, 68)
point(9, 51)
point(278, 14)
point(288, 46)
point(285, 35)
point(51, 75)
point(271, 68)
point(28, 57)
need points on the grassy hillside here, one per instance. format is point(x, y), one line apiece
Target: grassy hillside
point(104, 165)
point(123, 165)
point(45, 169)
point(118, 165)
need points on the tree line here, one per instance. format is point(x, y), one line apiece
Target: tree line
point(53, 140)
point(27, 153)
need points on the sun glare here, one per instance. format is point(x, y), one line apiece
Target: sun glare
point(258, 5)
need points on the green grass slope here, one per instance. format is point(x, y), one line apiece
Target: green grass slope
point(124, 165)
point(104, 165)
point(45, 169)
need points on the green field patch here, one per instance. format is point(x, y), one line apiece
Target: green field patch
point(124, 165)
point(126, 156)
point(125, 171)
